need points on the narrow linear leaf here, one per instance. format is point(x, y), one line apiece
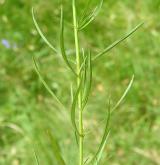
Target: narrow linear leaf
point(84, 77)
point(41, 33)
point(88, 19)
point(89, 84)
point(71, 90)
point(62, 42)
point(45, 84)
point(76, 137)
point(36, 158)
point(117, 42)
point(73, 109)
point(86, 8)
point(102, 146)
point(102, 149)
point(56, 149)
point(82, 65)
point(98, 154)
point(124, 94)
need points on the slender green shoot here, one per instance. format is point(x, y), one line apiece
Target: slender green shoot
point(78, 62)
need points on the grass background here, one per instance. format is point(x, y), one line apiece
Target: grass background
point(27, 110)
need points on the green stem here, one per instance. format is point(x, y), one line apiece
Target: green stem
point(78, 62)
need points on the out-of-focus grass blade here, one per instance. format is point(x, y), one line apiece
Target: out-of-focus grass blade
point(73, 109)
point(62, 42)
point(86, 161)
point(124, 94)
point(36, 158)
point(117, 42)
point(56, 149)
point(88, 19)
point(12, 126)
point(45, 84)
point(41, 33)
point(89, 84)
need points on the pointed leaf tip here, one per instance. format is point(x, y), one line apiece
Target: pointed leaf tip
point(62, 46)
point(124, 94)
point(41, 33)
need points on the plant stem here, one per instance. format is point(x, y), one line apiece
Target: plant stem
point(78, 63)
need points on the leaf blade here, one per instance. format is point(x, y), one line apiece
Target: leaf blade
point(45, 84)
point(89, 84)
point(88, 19)
point(73, 109)
point(41, 33)
point(99, 152)
point(124, 94)
point(117, 42)
point(62, 47)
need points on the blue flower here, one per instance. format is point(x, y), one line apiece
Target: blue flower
point(6, 43)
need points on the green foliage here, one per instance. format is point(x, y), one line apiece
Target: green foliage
point(88, 18)
point(84, 79)
point(27, 110)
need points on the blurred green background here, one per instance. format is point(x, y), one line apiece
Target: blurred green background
point(27, 110)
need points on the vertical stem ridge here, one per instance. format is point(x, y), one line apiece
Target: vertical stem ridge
point(78, 62)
